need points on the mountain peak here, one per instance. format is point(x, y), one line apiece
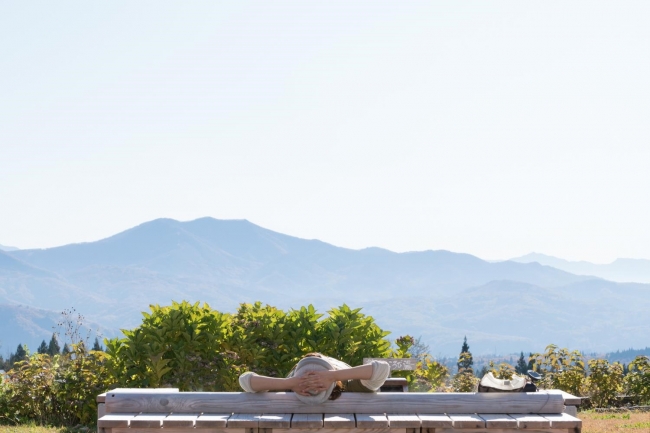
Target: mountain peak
point(8, 248)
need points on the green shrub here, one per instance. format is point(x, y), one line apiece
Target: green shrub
point(605, 382)
point(193, 347)
point(182, 345)
point(430, 375)
point(58, 390)
point(561, 369)
point(637, 381)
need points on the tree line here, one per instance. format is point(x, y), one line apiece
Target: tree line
point(52, 348)
point(196, 348)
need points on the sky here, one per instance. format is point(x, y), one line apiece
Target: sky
point(494, 128)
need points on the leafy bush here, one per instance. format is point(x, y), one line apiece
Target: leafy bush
point(561, 369)
point(430, 376)
point(464, 380)
point(605, 382)
point(637, 381)
point(55, 390)
point(502, 371)
point(193, 347)
point(182, 345)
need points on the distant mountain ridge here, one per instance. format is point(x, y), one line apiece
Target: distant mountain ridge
point(7, 248)
point(620, 270)
point(440, 295)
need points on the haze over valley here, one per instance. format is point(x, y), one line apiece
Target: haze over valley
point(442, 296)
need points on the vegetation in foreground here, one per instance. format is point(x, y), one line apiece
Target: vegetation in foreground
point(610, 422)
point(195, 348)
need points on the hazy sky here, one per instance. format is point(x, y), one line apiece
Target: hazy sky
point(492, 128)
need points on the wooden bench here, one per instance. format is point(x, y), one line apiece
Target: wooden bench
point(144, 410)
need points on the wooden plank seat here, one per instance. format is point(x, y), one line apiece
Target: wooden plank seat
point(140, 411)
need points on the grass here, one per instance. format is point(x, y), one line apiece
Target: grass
point(627, 422)
point(33, 428)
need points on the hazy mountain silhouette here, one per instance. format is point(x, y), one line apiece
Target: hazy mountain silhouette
point(621, 270)
point(437, 294)
point(7, 248)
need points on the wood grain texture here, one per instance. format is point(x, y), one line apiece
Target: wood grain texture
point(497, 420)
point(147, 420)
point(350, 402)
point(499, 430)
point(180, 420)
point(280, 420)
point(569, 399)
point(434, 420)
point(212, 420)
point(466, 420)
point(101, 398)
point(377, 420)
point(244, 420)
point(531, 421)
point(345, 420)
point(115, 420)
point(563, 420)
point(307, 420)
point(403, 421)
point(330, 430)
point(177, 430)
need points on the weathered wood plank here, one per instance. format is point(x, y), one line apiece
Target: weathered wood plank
point(496, 420)
point(179, 430)
point(433, 420)
point(101, 398)
point(531, 421)
point(350, 402)
point(563, 420)
point(499, 430)
point(307, 420)
point(571, 410)
point(331, 430)
point(212, 420)
point(403, 421)
point(466, 420)
point(569, 399)
point(345, 420)
point(280, 420)
point(147, 420)
point(244, 420)
point(115, 420)
point(180, 420)
point(377, 420)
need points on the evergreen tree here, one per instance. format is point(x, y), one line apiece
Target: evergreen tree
point(465, 360)
point(20, 355)
point(97, 346)
point(42, 348)
point(53, 348)
point(530, 362)
point(522, 365)
point(66, 349)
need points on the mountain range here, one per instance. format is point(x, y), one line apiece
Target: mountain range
point(438, 295)
point(621, 270)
